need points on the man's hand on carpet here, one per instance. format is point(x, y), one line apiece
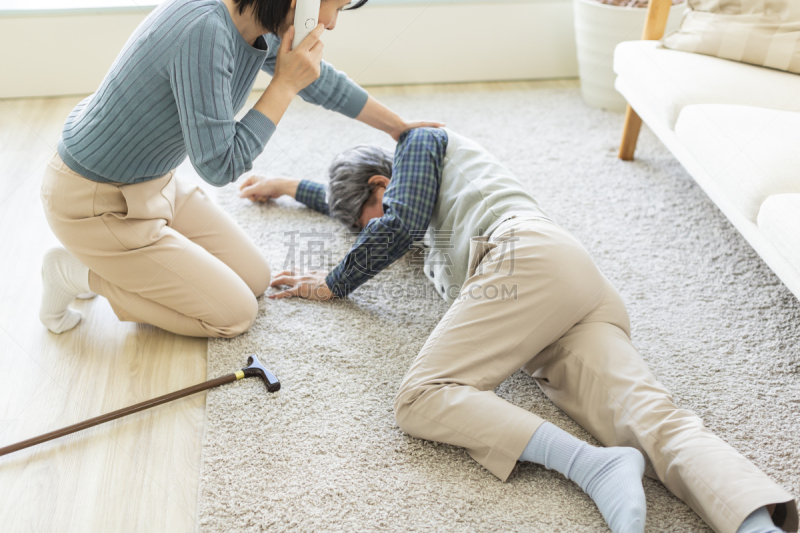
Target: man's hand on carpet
point(310, 285)
point(262, 189)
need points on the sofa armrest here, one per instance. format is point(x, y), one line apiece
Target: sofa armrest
point(656, 21)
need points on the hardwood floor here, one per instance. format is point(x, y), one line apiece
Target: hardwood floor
point(135, 474)
point(138, 473)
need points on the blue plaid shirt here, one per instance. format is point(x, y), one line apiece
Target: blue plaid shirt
point(408, 205)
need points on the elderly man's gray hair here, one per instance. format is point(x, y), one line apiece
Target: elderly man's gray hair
point(349, 174)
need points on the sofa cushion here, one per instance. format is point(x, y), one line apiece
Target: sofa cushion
point(753, 31)
point(751, 153)
point(779, 219)
point(672, 80)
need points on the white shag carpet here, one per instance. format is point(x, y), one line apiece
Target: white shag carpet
point(324, 454)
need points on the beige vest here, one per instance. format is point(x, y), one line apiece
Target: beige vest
point(476, 194)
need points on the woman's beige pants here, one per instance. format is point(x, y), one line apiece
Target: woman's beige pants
point(538, 302)
point(160, 251)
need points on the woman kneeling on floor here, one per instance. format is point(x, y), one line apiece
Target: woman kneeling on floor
point(156, 247)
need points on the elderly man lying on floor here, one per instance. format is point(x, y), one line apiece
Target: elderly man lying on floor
point(525, 294)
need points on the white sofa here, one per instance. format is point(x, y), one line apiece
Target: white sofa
point(735, 128)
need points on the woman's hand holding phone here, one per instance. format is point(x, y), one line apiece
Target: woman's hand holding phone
point(299, 68)
point(294, 71)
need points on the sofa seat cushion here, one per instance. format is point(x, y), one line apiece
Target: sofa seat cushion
point(750, 152)
point(671, 80)
point(779, 219)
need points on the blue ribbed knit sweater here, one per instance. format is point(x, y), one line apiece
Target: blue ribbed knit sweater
point(175, 89)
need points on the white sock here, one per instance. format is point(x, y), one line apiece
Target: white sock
point(63, 279)
point(759, 521)
point(612, 477)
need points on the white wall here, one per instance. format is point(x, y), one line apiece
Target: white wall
point(45, 54)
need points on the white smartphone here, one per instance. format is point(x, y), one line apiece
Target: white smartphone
point(306, 18)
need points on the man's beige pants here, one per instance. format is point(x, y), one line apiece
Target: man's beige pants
point(160, 251)
point(568, 328)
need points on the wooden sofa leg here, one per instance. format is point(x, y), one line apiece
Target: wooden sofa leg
point(630, 134)
point(654, 25)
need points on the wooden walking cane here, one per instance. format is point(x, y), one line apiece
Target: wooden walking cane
point(253, 368)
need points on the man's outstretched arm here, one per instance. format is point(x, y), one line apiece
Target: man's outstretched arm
point(312, 194)
point(260, 189)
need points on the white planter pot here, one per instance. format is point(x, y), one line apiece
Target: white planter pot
point(599, 28)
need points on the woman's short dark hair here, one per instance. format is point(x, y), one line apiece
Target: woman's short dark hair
point(272, 13)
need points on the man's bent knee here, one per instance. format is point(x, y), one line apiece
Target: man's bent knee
point(403, 414)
